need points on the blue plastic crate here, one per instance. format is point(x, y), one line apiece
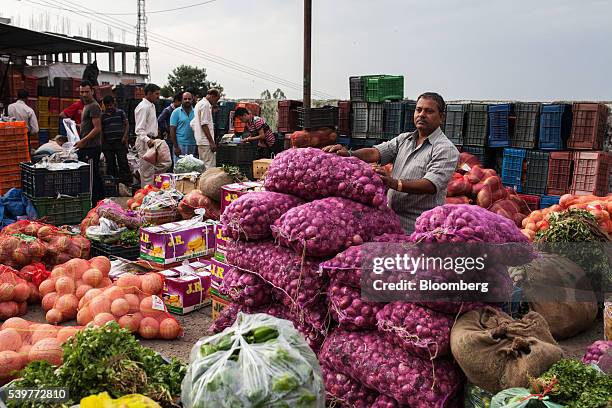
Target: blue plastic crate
point(500, 126)
point(555, 126)
point(549, 200)
point(512, 168)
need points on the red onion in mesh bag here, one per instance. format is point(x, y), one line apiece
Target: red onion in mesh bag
point(397, 238)
point(343, 391)
point(348, 309)
point(419, 331)
point(251, 215)
point(245, 288)
point(226, 318)
point(380, 365)
point(386, 402)
point(325, 227)
point(452, 308)
point(600, 353)
point(311, 174)
point(298, 278)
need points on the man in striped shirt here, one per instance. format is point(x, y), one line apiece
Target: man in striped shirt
point(423, 162)
point(259, 130)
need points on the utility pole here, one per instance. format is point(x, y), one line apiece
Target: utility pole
point(141, 40)
point(307, 50)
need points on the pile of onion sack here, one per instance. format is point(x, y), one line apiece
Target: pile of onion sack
point(398, 354)
point(315, 205)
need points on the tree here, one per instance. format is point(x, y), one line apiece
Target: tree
point(265, 95)
point(279, 94)
point(189, 78)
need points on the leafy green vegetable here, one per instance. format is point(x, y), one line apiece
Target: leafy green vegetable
point(130, 238)
point(109, 359)
point(576, 385)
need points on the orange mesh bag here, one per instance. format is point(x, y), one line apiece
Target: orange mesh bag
point(22, 342)
point(69, 283)
point(135, 303)
point(196, 199)
point(14, 293)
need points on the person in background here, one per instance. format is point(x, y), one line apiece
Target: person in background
point(115, 128)
point(23, 113)
point(203, 128)
point(259, 131)
point(89, 145)
point(52, 146)
point(423, 162)
point(181, 133)
point(146, 130)
point(163, 120)
point(74, 112)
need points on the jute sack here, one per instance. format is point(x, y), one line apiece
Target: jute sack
point(212, 180)
point(551, 286)
point(497, 352)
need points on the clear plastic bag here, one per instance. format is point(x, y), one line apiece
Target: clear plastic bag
point(258, 361)
point(188, 164)
point(107, 232)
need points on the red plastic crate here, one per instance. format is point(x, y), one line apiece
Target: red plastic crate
point(288, 115)
point(588, 126)
point(64, 103)
point(76, 83)
point(33, 103)
point(533, 201)
point(9, 181)
point(344, 118)
point(31, 85)
point(54, 105)
point(560, 168)
point(591, 173)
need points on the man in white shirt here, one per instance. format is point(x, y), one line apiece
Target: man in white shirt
point(146, 130)
point(23, 113)
point(203, 128)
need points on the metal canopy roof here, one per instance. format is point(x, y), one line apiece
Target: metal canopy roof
point(21, 42)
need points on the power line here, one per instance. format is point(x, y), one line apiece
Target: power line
point(148, 12)
point(188, 49)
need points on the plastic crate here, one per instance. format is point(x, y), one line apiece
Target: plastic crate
point(30, 84)
point(376, 122)
point(239, 155)
point(64, 87)
point(288, 115)
point(591, 173)
point(560, 173)
point(40, 182)
point(43, 104)
point(8, 181)
point(454, 122)
point(344, 118)
point(476, 125)
point(62, 211)
point(588, 126)
point(316, 118)
point(114, 251)
point(357, 87)
point(533, 201)
point(64, 103)
point(555, 126)
point(549, 200)
point(500, 124)
point(384, 88)
point(512, 168)
point(408, 121)
point(359, 121)
point(527, 125)
point(487, 156)
point(111, 186)
point(537, 172)
point(393, 116)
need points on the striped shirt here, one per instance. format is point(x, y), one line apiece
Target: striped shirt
point(255, 125)
point(435, 160)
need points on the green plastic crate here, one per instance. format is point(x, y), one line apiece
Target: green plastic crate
point(63, 211)
point(384, 88)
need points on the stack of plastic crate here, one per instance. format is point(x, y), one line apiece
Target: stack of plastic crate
point(13, 150)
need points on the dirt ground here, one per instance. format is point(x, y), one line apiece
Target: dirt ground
point(196, 325)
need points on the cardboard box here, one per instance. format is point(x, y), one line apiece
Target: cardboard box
point(219, 303)
point(217, 270)
point(177, 241)
point(220, 243)
point(185, 183)
point(260, 167)
point(187, 287)
point(231, 192)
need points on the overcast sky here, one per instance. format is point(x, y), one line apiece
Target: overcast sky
point(467, 49)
